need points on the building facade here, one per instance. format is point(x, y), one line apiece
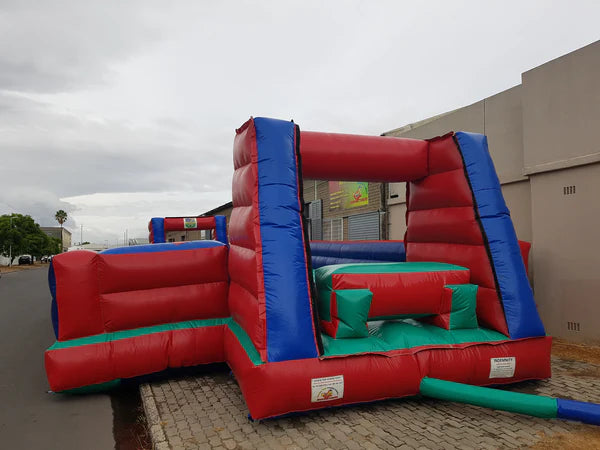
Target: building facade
point(542, 140)
point(345, 211)
point(55, 232)
point(188, 235)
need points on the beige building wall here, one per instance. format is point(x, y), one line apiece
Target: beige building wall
point(561, 108)
point(566, 251)
point(503, 125)
point(55, 232)
point(518, 199)
point(178, 236)
point(66, 239)
point(397, 221)
point(561, 113)
point(499, 117)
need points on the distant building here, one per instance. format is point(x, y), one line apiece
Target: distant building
point(187, 235)
point(138, 241)
point(338, 211)
point(55, 233)
point(93, 247)
point(223, 210)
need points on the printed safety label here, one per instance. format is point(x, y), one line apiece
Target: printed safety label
point(327, 388)
point(503, 367)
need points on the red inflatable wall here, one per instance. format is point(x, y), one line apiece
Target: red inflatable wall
point(246, 290)
point(84, 365)
point(99, 293)
point(442, 226)
point(279, 388)
point(339, 157)
point(396, 294)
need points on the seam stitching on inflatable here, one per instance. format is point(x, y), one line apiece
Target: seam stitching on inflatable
point(308, 252)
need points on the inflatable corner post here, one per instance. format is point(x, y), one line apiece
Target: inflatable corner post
point(302, 325)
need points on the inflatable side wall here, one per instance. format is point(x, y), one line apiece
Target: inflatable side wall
point(343, 252)
point(270, 294)
point(325, 253)
point(136, 310)
point(457, 215)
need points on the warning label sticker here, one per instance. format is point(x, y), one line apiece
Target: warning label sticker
point(503, 367)
point(190, 222)
point(327, 389)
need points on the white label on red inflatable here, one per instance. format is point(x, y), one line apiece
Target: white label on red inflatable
point(190, 222)
point(327, 389)
point(503, 367)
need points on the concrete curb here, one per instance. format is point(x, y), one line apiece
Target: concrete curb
point(157, 435)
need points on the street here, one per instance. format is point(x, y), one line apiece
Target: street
point(30, 417)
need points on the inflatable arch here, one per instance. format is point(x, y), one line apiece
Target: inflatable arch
point(159, 226)
point(457, 315)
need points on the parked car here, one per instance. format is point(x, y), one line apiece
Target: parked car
point(25, 259)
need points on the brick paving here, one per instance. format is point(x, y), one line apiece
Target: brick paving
point(207, 411)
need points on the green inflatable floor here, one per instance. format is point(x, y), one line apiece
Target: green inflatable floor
point(388, 335)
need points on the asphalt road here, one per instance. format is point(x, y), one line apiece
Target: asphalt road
point(30, 417)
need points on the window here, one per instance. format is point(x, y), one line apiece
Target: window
point(316, 224)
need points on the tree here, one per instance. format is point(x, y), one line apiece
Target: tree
point(11, 240)
point(61, 217)
point(20, 235)
point(52, 246)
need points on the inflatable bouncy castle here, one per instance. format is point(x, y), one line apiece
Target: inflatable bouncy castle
point(305, 326)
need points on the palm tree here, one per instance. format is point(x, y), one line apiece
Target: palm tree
point(61, 217)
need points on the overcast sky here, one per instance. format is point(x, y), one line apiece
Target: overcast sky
point(119, 111)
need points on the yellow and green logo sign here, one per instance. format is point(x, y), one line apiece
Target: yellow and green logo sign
point(190, 223)
point(348, 194)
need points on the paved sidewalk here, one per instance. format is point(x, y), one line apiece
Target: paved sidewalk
point(208, 411)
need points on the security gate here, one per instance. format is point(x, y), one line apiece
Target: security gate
point(364, 226)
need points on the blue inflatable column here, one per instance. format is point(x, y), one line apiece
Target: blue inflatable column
point(158, 230)
point(289, 316)
point(221, 229)
point(517, 297)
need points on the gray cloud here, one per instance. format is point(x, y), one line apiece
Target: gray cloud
point(66, 45)
point(71, 155)
point(38, 203)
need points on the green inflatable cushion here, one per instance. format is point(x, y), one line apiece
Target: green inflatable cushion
point(352, 312)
